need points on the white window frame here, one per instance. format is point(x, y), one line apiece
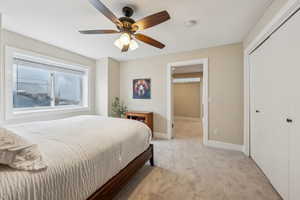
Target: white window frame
point(13, 113)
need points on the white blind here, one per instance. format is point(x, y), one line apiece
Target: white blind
point(50, 67)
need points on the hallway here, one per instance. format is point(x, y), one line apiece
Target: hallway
point(188, 128)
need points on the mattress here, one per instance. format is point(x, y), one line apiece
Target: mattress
point(82, 154)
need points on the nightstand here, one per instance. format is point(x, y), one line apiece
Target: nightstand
point(145, 117)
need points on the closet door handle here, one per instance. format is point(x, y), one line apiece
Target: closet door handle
point(288, 120)
point(257, 111)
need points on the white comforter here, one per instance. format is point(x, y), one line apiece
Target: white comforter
point(82, 153)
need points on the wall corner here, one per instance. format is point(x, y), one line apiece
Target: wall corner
point(107, 85)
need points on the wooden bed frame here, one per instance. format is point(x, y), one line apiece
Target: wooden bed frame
point(116, 183)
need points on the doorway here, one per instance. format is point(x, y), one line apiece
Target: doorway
point(189, 75)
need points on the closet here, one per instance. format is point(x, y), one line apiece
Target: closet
point(275, 108)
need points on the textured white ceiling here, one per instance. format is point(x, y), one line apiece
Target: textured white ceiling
point(57, 22)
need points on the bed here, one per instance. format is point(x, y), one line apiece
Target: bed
point(88, 157)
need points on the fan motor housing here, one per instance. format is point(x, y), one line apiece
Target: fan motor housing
point(128, 11)
point(127, 24)
point(127, 21)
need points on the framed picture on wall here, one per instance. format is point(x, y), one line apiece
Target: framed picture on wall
point(141, 88)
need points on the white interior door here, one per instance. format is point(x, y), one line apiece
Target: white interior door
point(290, 47)
point(269, 130)
point(275, 130)
point(257, 138)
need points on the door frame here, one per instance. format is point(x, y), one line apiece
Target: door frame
point(284, 13)
point(205, 98)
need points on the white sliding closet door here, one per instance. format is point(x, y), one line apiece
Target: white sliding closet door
point(290, 45)
point(258, 90)
point(269, 130)
point(275, 92)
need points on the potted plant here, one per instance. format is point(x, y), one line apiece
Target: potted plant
point(119, 109)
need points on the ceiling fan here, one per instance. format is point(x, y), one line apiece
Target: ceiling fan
point(128, 27)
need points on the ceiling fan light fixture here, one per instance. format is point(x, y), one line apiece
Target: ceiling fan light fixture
point(133, 45)
point(128, 26)
point(118, 43)
point(125, 39)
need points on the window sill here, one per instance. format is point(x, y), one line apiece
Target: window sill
point(46, 112)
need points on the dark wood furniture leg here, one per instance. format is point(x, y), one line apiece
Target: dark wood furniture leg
point(109, 190)
point(152, 158)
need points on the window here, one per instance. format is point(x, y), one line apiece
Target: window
point(32, 86)
point(68, 88)
point(38, 85)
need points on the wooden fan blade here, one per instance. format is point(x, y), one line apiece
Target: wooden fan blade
point(99, 32)
point(152, 20)
point(125, 48)
point(105, 11)
point(149, 40)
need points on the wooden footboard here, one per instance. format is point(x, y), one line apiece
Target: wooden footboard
point(115, 184)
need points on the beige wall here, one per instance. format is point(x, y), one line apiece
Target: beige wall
point(102, 87)
point(265, 19)
point(107, 85)
point(114, 82)
point(187, 96)
point(22, 42)
point(187, 101)
point(225, 89)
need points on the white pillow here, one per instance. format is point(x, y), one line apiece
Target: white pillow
point(18, 153)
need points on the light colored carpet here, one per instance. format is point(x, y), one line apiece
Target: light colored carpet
point(187, 170)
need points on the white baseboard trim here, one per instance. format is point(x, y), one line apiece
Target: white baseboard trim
point(223, 145)
point(159, 135)
point(246, 151)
